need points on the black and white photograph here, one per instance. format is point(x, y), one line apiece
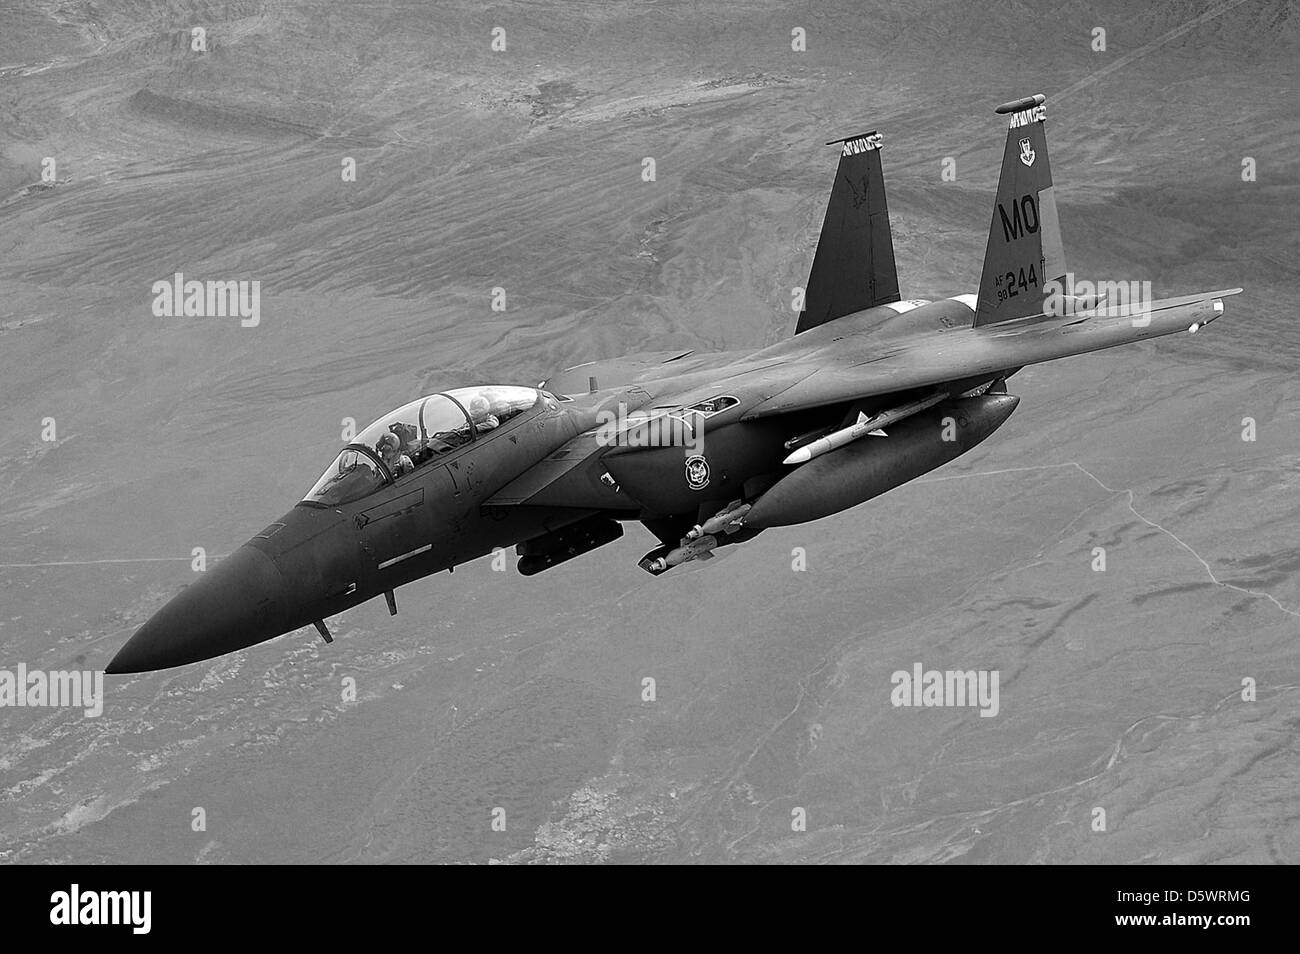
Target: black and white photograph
point(650, 433)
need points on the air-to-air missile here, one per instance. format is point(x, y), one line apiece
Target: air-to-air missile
point(864, 426)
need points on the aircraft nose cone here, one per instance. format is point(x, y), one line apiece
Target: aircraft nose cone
point(239, 602)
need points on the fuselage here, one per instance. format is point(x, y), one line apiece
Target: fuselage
point(451, 477)
point(371, 525)
point(327, 555)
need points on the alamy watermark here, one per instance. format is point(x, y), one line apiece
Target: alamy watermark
point(621, 428)
point(37, 688)
point(182, 298)
point(946, 688)
point(1071, 296)
point(75, 906)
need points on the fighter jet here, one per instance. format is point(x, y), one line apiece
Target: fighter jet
point(703, 450)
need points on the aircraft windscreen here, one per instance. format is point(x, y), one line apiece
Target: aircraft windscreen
point(414, 434)
point(352, 475)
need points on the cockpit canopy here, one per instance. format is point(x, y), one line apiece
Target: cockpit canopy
point(411, 436)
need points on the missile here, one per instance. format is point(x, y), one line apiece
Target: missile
point(856, 473)
point(724, 521)
point(863, 426)
point(807, 436)
point(700, 549)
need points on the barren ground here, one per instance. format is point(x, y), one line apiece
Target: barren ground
point(1120, 689)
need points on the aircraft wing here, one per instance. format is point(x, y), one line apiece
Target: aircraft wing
point(813, 370)
point(853, 372)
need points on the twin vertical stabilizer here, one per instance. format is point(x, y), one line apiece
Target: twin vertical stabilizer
point(1024, 250)
point(853, 268)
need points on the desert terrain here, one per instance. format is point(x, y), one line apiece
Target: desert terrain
point(522, 169)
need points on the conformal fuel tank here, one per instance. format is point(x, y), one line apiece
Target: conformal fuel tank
point(870, 466)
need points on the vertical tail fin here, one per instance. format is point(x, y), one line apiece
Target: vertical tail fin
point(853, 268)
point(1024, 252)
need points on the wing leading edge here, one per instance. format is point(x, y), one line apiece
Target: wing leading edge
point(866, 371)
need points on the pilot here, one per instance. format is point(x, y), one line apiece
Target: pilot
point(408, 442)
point(390, 453)
point(480, 412)
point(406, 434)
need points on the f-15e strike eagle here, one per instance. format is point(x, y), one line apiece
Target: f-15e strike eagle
point(704, 450)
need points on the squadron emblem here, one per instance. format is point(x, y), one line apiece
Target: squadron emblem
point(1027, 154)
point(697, 473)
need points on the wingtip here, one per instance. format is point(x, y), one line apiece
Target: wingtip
point(1017, 105)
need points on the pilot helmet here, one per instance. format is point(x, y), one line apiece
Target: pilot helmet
point(387, 444)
